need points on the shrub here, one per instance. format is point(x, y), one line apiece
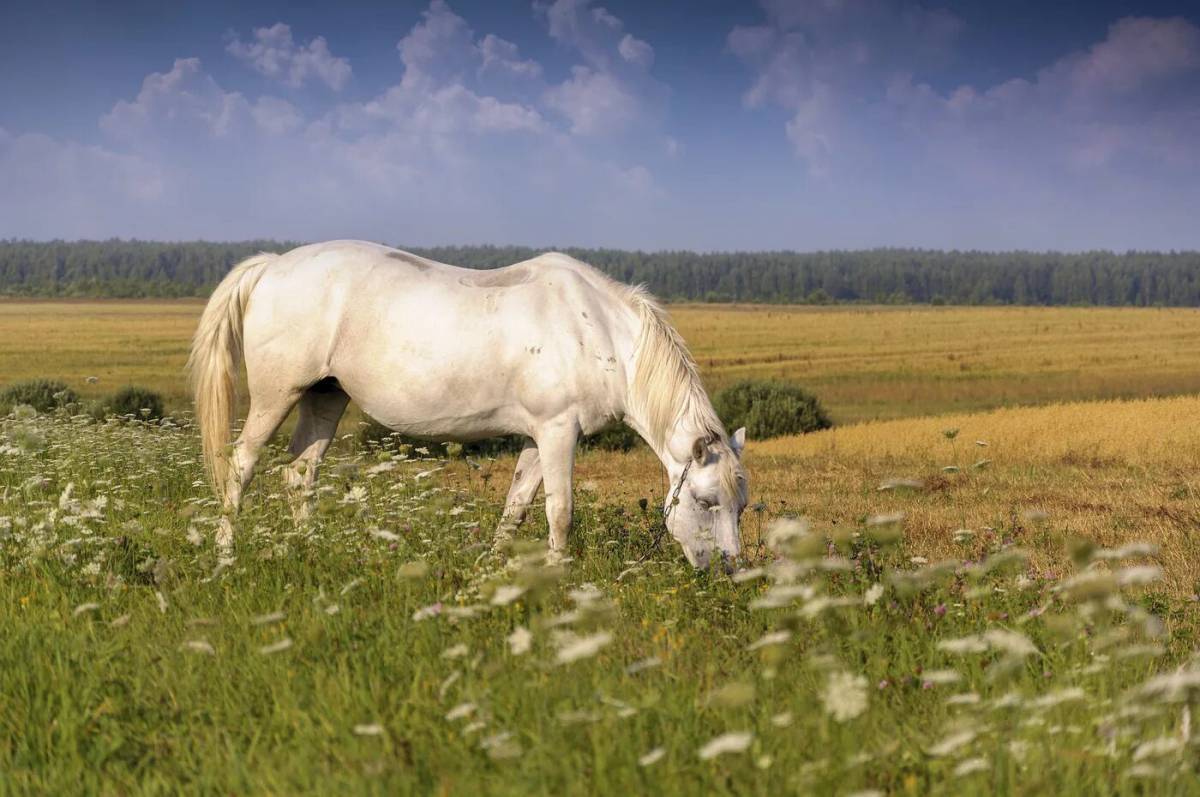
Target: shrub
point(616, 436)
point(44, 395)
point(770, 409)
point(132, 400)
point(373, 433)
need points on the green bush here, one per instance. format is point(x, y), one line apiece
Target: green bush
point(770, 409)
point(371, 433)
point(133, 400)
point(44, 395)
point(614, 437)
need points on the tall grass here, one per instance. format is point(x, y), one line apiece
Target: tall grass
point(386, 648)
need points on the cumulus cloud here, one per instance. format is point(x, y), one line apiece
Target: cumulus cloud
point(613, 90)
point(594, 102)
point(501, 55)
point(274, 53)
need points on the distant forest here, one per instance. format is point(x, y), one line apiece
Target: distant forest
point(879, 276)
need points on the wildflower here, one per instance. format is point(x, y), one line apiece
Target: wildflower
point(506, 594)
point(519, 641)
point(845, 695)
point(85, 607)
point(120, 621)
point(643, 664)
point(460, 711)
point(198, 646)
point(1139, 575)
point(1060, 696)
point(783, 719)
point(1163, 745)
point(432, 610)
point(652, 757)
point(967, 644)
point(368, 730)
point(162, 602)
point(584, 647)
point(775, 638)
point(276, 647)
point(938, 677)
point(971, 766)
point(267, 619)
point(1010, 642)
point(873, 594)
point(456, 651)
point(951, 743)
point(725, 743)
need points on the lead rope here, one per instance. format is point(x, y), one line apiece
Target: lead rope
point(666, 512)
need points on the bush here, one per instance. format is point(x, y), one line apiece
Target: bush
point(770, 409)
point(44, 395)
point(614, 437)
point(373, 433)
point(132, 400)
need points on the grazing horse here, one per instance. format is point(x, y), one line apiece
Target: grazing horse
point(549, 348)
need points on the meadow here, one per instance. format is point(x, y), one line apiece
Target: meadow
point(947, 596)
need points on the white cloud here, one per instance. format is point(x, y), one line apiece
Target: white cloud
point(275, 54)
point(185, 98)
point(594, 102)
point(636, 51)
point(501, 55)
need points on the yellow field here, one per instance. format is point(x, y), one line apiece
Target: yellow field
point(1112, 471)
point(864, 363)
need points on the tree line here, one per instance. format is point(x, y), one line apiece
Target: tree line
point(119, 268)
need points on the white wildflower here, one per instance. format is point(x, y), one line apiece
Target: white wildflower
point(1163, 745)
point(971, 766)
point(652, 757)
point(952, 742)
point(506, 594)
point(85, 607)
point(198, 646)
point(966, 644)
point(267, 619)
point(460, 711)
point(736, 742)
point(368, 730)
point(584, 647)
point(774, 638)
point(643, 664)
point(1010, 642)
point(276, 647)
point(873, 594)
point(845, 695)
point(456, 651)
point(520, 640)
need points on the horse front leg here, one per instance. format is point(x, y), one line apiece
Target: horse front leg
point(556, 447)
point(527, 478)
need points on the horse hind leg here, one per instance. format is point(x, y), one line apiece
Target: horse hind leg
point(267, 411)
point(527, 478)
point(321, 408)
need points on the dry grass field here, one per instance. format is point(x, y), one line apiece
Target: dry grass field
point(864, 363)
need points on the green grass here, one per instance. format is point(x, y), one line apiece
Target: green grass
point(113, 699)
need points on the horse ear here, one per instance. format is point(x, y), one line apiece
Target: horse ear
point(700, 450)
point(738, 441)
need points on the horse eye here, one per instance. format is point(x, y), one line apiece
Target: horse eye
point(704, 504)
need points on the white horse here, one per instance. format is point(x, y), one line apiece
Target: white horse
point(548, 348)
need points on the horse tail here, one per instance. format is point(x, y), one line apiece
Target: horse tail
point(214, 362)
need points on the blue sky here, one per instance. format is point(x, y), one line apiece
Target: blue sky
point(801, 124)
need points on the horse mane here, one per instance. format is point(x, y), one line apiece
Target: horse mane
point(666, 388)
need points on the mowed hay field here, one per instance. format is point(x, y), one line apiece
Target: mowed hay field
point(978, 599)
